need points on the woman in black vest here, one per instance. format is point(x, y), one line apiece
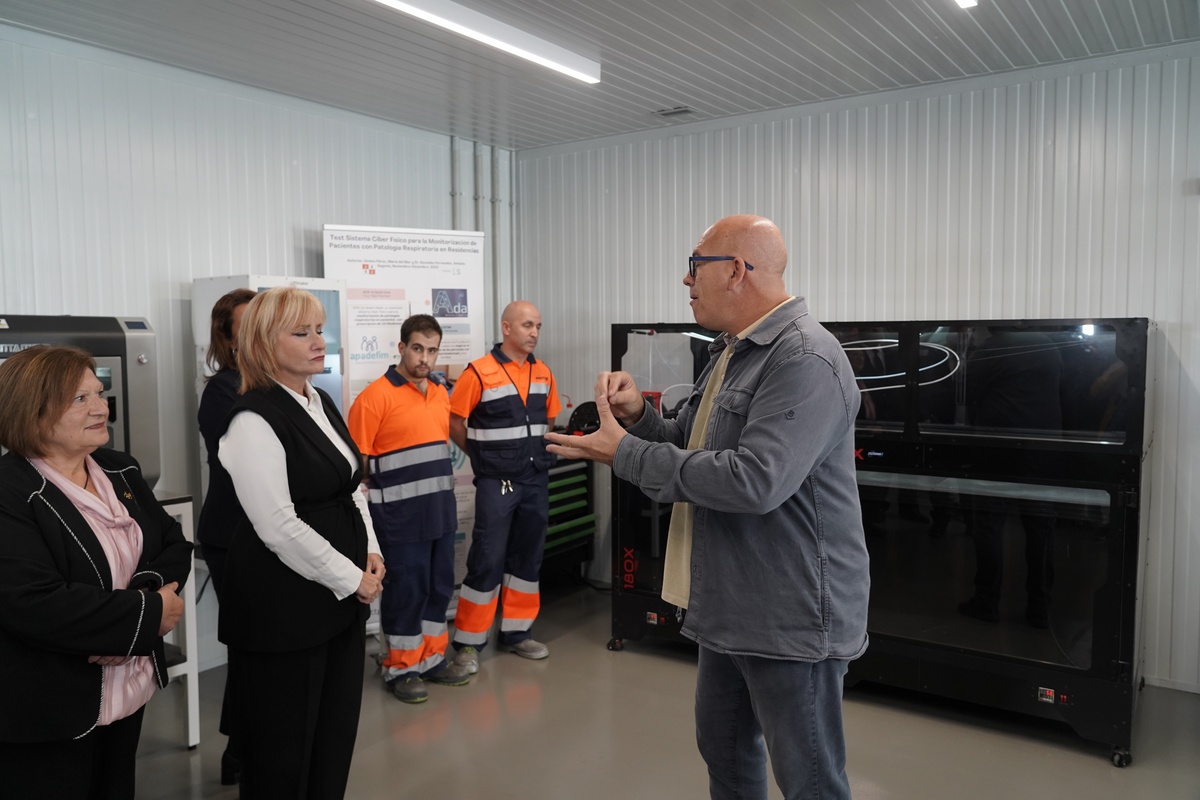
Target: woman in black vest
point(303, 567)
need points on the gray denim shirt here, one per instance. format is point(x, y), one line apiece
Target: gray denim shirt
point(779, 560)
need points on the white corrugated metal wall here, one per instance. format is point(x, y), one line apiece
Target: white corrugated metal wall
point(123, 180)
point(1067, 191)
point(1061, 192)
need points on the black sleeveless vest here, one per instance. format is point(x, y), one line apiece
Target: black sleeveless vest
point(269, 607)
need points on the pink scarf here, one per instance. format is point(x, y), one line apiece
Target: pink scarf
point(128, 686)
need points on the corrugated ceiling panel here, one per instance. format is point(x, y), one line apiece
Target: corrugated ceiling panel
point(718, 58)
point(1058, 194)
point(125, 180)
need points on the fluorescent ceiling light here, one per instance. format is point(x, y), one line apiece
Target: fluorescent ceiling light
point(481, 28)
point(968, 3)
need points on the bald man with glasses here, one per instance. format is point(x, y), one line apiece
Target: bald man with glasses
point(766, 547)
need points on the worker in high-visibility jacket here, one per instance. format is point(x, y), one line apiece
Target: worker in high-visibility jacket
point(401, 423)
point(501, 407)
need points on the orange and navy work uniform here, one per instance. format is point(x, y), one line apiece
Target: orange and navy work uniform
point(509, 408)
point(404, 435)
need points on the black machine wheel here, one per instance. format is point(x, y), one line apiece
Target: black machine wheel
point(1121, 757)
point(584, 419)
point(616, 644)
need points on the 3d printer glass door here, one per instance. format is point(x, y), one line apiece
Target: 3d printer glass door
point(1011, 569)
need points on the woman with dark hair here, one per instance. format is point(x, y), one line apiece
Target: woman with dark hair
point(221, 512)
point(220, 515)
point(303, 565)
point(90, 567)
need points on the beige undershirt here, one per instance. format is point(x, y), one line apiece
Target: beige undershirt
point(677, 575)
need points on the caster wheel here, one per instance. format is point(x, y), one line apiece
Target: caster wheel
point(616, 644)
point(1121, 758)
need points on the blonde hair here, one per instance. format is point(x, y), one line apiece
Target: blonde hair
point(268, 314)
point(37, 386)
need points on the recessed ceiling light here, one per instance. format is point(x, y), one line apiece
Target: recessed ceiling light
point(968, 3)
point(467, 22)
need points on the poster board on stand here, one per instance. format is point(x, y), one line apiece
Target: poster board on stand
point(391, 274)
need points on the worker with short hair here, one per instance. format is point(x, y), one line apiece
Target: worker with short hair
point(401, 423)
point(502, 406)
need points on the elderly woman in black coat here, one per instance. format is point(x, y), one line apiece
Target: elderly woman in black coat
point(90, 567)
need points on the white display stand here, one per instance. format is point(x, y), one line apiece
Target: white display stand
point(391, 274)
point(184, 635)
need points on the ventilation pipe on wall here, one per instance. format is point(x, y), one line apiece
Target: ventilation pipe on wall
point(477, 160)
point(455, 193)
point(495, 200)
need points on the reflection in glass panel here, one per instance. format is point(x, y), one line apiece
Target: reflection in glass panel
point(874, 355)
point(105, 376)
point(1034, 382)
point(665, 365)
point(330, 379)
point(331, 301)
point(1004, 568)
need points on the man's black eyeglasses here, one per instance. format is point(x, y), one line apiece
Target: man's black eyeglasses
point(694, 261)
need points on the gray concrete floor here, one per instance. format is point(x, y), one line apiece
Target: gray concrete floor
point(590, 724)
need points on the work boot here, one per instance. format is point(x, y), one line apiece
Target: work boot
point(451, 674)
point(527, 648)
point(467, 658)
point(409, 689)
